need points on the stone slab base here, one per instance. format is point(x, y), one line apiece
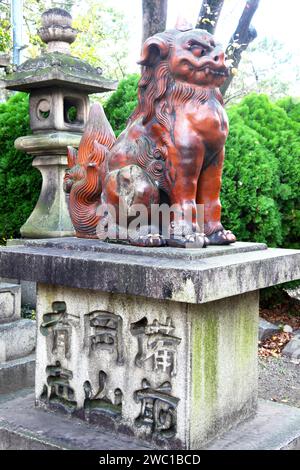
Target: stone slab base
point(22, 426)
point(193, 276)
point(17, 374)
point(274, 427)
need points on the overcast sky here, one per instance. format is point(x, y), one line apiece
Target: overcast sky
point(274, 18)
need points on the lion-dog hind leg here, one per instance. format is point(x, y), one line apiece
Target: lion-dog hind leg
point(208, 194)
point(127, 199)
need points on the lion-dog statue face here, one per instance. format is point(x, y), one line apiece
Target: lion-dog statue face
point(171, 151)
point(193, 57)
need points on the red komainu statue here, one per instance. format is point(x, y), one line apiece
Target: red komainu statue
point(171, 151)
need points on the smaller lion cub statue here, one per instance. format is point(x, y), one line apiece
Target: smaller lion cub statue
point(171, 151)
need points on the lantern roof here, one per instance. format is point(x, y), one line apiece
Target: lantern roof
point(57, 67)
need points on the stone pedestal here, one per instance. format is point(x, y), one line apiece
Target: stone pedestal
point(160, 344)
point(50, 217)
point(176, 372)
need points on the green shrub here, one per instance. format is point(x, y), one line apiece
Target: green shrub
point(19, 181)
point(291, 107)
point(281, 137)
point(249, 186)
point(122, 102)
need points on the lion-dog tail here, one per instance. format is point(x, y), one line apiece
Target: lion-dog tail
point(83, 178)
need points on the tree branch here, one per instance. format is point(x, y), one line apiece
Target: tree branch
point(240, 40)
point(209, 15)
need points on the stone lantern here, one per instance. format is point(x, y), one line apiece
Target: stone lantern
point(59, 86)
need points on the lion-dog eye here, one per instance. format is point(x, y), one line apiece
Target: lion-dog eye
point(198, 49)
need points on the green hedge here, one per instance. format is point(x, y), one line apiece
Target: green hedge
point(19, 182)
point(291, 107)
point(122, 103)
point(261, 182)
point(250, 186)
point(263, 154)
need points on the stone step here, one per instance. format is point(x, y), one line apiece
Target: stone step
point(10, 302)
point(24, 427)
point(17, 374)
point(17, 339)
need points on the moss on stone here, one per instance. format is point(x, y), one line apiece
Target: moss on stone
point(204, 360)
point(50, 65)
point(246, 330)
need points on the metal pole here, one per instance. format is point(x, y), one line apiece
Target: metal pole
point(17, 22)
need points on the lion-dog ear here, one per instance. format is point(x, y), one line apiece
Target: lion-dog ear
point(154, 48)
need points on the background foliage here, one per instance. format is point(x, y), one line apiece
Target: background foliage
point(102, 32)
point(5, 27)
point(103, 38)
point(264, 133)
point(19, 182)
point(263, 69)
point(291, 107)
point(121, 103)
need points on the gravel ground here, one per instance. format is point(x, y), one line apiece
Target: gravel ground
point(279, 380)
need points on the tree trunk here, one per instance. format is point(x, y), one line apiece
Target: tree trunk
point(240, 40)
point(209, 15)
point(154, 17)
